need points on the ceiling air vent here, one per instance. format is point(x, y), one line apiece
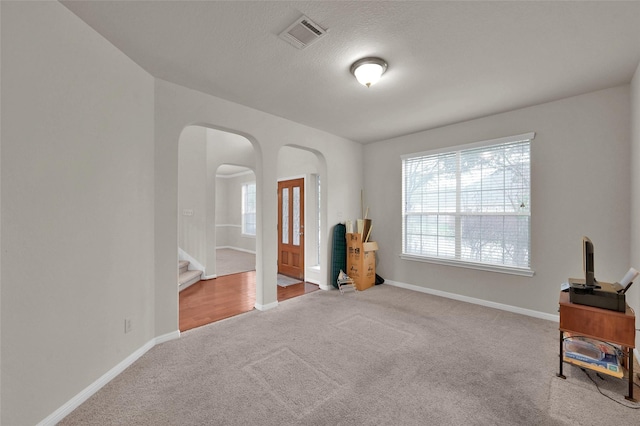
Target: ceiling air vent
point(302, 33)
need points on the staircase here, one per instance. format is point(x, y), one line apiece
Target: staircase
point(187, 276)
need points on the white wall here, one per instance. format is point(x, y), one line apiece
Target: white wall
point(223, 222)
point(229, 219)
point(192, 192)
point(633, 295)
point(177, 107)
point(89, 201)
point(77, 208)
point(0, 229)
point(580, 186)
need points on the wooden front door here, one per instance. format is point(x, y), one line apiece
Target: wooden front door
point(291, 228)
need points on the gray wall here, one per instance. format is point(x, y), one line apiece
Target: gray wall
point(77, 208)
point(89, 207)
point(633, 295)
point(192, 192)
point(580, 186)
point(229, 213)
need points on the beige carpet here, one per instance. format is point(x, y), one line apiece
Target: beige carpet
point(230, 261)
point(385, 356)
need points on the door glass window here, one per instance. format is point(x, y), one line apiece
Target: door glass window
point(285, 215)
point(296, 215)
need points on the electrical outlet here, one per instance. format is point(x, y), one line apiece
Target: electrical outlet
point(127, 325)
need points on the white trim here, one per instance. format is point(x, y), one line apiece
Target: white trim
point(235, 248)
point(194, 265)
point(313, 270)
point(231, 225)
point(209, 277)
point(266, 307)
point(482, 302)
point(167, 337)
point(507, 139)
point(312, 280)
point(235, 174)
point(57, 416)
point(470, 265)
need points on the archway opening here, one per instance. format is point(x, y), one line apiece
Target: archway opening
point(235, 220)
point(306, 168)
point(217, 209)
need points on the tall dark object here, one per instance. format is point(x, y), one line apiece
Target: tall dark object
point(339, 252)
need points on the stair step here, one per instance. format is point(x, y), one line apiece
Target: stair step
point(189, 277)
point(183, 265)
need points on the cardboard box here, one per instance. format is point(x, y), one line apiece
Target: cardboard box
point(361, 261)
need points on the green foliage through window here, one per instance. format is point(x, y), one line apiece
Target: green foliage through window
point(472, 204)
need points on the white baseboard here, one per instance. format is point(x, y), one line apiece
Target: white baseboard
point(487, 303)
point(167, 337)
point(312, 280)
point(57, 416)
point(266, 307)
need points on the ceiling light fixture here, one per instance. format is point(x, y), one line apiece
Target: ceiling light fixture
point(368, 70)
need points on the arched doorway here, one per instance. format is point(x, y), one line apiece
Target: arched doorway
point(215, 170)
point(304, 167)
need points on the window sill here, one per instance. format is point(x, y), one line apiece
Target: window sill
point(470, 265)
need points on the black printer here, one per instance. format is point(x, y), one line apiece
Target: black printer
point(601, 295)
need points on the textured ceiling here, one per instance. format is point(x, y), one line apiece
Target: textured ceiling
point(448, 61)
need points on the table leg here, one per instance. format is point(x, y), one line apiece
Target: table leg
point(562, 376)
point(630, 371)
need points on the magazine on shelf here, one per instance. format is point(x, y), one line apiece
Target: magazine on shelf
point(610, 364)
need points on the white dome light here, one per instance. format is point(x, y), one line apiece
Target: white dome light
point(368, 70)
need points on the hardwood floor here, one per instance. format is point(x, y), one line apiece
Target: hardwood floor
point(212, 300)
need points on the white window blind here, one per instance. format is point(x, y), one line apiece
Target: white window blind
point(249, 209)
point(471, 204)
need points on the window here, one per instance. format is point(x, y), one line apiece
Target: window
point(249, 208)
point(470, 206)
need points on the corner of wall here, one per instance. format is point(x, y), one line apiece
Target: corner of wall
point(0, 232)
point(634, 300)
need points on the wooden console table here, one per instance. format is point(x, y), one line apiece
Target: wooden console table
point(600, 324)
